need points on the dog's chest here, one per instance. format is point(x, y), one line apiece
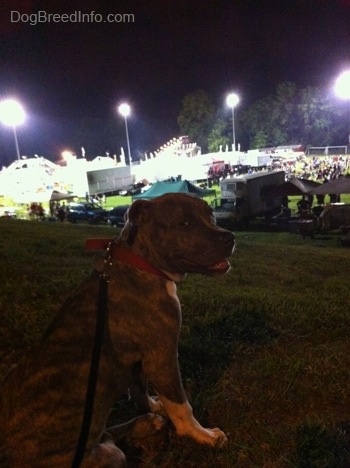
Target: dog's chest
point(172, 291)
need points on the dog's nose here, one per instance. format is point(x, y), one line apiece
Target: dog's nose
point(228, 239)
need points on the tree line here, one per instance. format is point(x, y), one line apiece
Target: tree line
point(291, 115)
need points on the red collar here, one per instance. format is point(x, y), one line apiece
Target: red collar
point(130, 258)
point(125, 256)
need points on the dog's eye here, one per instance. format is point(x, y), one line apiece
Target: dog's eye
point(184, 224)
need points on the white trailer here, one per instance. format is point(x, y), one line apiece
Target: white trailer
point(255, 158)
point(243, 199)
point(102, 181)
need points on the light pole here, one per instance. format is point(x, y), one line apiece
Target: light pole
point(124, 110)
point(342, 90)
point(232, 100)
point(12, 114)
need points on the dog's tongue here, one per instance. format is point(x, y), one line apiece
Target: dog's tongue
point(222, 265)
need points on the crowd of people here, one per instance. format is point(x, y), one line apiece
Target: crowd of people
point(36, 211)
point(318, 168)
point(57, 211)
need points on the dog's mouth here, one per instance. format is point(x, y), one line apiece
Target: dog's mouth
point(220, 267)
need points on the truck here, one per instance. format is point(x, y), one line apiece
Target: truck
point(243, 198)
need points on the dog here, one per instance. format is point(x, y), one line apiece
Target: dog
point(42, 399)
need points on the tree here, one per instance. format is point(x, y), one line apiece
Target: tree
point(218, 135)
point(259, 140)
point(260, 126)
point(292, 116)
point(317, 118)
point(196, 117)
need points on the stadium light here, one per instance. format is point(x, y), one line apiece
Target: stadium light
point(342, 90)
point(232, 100)
point(12, 114)
point(124, 110)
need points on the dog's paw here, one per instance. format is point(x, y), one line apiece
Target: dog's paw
point(148, 425)
point(213, 437)
point(149, 436)
point(218, 438)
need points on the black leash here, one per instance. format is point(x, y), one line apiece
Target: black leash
point(101, 321)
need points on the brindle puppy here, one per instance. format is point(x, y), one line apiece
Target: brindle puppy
point(42, 399)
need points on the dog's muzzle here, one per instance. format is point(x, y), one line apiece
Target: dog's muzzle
point(225, 243)
point(228, 240)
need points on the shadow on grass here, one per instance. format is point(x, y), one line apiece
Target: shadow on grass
point(206, 349)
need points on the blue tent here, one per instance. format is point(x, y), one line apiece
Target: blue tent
point(182, 186)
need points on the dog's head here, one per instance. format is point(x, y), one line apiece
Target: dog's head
point(177, 233)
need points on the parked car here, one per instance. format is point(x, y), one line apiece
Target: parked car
point(132, 189)
point(89, 212)
point(7, 212)
point(116, 216)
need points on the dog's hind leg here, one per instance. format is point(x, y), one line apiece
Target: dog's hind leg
point(105, 455)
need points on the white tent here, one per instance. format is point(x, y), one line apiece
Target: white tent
point(29, 180)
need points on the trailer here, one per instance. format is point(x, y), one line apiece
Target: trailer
point(111, 180)
point(255, 158)
point(243, 198)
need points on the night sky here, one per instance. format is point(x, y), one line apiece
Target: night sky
point(66, 71)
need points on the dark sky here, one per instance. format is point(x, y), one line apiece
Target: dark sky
point(65, 71)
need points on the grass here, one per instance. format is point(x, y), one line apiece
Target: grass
point(264, 351)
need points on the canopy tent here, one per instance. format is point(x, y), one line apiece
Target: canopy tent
point(294, 186)
point(182, 186)
point(58, 196)
point(334, 187)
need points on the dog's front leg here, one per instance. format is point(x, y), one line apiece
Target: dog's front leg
point(166, 380)
point(181, 415)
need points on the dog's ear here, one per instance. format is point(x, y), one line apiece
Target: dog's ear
point(136, 215)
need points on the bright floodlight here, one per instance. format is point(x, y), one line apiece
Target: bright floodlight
point(342, 85)
point(232, 100)
point(124, 109)
point(11, 113)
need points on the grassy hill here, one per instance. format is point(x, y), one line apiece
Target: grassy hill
point(264, 351)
